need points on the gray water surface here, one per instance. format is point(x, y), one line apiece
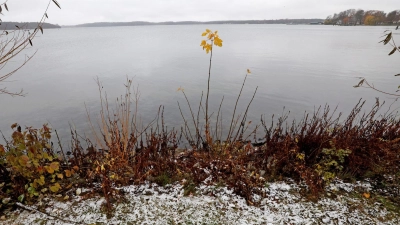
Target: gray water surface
point(296, 67)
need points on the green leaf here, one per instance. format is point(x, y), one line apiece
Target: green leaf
point(31, 190)
point(21, 198)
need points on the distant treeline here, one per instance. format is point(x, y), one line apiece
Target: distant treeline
point(143, 23)
point(27, 25)
point(354, 17)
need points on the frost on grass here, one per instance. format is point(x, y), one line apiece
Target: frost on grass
point(152, 204)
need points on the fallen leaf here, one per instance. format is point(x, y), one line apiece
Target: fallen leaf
point(78, 191)
point(67, 173)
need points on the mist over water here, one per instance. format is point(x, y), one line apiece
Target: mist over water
point(297, 67)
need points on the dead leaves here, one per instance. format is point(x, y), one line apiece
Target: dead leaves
point(54, 166)
point(57, 4)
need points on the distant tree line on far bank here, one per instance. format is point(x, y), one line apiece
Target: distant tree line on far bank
point(353, 17)
point(25, 25)
point(144, 23)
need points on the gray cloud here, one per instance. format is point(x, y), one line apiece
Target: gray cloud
point(86, 11)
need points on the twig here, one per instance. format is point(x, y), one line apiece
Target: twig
point(234, 110)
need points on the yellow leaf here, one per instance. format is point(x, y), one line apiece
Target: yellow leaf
point(41, 180)
point(248, 71)
point(55, 188)
point(23, 160)
point(68, 173)
point(217, 41)
point(208, 31)
point(55, 166)
point(60, 175)
point(35, 163)
point(49, 169)
point(204, 34)
point(203, 42)
point(208, 48)
point(367, 195)
point(301, 156)
point(34, 184)
point(46, 156)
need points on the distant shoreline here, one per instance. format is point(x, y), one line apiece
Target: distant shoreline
point(144, 23)
point(26, 25)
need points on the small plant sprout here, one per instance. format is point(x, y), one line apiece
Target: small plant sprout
point(212, 39)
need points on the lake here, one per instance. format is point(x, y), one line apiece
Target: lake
point(297, 67)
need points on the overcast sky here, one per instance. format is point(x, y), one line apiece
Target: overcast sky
point(88, 11)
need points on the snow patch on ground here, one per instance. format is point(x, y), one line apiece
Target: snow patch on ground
point(152, 204)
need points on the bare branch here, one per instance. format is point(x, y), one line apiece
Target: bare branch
point(13, 42)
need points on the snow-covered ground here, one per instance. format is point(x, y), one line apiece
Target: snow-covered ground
point(152, 204)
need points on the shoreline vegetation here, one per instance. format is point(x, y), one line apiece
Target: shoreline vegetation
point(353, 17)
point(314, 151)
